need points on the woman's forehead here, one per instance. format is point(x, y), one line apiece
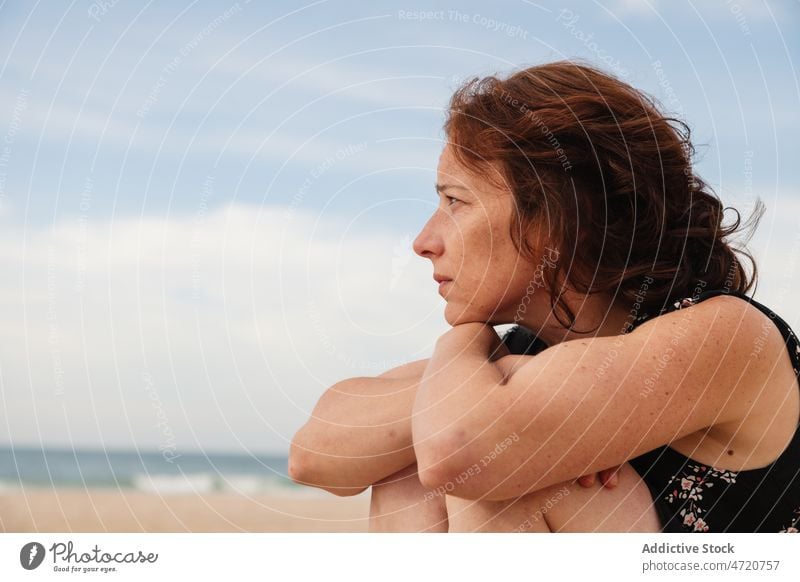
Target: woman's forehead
point(448, 165)
point(452, 171)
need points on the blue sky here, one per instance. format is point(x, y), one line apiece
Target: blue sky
point(213, 203)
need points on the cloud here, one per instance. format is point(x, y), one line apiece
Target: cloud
point(328, 77)
point(220, 330)
point(627, 8)
point(61, 122)
point(735, 12)
point(776, 249)
point(217, 330)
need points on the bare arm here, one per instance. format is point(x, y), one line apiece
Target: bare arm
point(358, 433)
point(561, 419)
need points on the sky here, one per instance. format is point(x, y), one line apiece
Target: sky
point(207, 208)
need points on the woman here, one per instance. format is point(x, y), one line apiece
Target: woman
point(568, 205)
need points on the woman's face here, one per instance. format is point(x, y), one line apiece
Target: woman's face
point(468, 241)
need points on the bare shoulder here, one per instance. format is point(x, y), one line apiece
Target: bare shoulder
point(707, 365)
point(768, 424)
point(728, 323)
point(713, 333)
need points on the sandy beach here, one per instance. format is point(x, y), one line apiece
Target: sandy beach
point(108, 510)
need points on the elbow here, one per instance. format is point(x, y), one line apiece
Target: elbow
point(344, 491)
point(431, 476)
point(449, 466)
point(298, 462)
point(438, 462)
point(304, 469)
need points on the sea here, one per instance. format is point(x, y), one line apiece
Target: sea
point(148, 471)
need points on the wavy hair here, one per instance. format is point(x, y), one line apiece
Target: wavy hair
point(594, 165)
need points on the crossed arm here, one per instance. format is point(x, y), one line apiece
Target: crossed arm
point(583, 405)
point(360, 433)
point(450, 412)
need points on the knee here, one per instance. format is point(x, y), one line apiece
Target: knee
point(549, 498)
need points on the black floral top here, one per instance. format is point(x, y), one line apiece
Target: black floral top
point(692, 497)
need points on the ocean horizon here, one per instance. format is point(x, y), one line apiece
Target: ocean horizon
point(150, 471)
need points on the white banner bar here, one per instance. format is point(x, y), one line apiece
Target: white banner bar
point(389, 557)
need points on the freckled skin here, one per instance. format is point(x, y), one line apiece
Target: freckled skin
point(468, 241)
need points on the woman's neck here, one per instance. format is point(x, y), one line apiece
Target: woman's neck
point(591, 311)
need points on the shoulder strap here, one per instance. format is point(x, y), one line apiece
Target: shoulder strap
point(521, 341)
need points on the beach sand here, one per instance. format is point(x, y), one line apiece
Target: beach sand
point(129, 511)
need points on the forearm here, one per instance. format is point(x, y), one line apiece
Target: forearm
point(359, 432)
point(456, 385)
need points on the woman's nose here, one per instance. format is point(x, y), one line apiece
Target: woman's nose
point(429, 242)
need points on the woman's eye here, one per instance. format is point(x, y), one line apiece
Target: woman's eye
point(450, 198)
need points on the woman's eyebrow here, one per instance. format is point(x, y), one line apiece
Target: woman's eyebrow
point(443, 187)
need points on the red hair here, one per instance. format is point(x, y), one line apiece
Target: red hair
point(606, 177)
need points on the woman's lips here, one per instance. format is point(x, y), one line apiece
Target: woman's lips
point(443, 284)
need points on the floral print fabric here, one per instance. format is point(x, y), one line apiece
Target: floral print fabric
point(691, 498)
point(688, 492)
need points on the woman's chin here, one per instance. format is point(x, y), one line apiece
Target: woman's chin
point(457, 314)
